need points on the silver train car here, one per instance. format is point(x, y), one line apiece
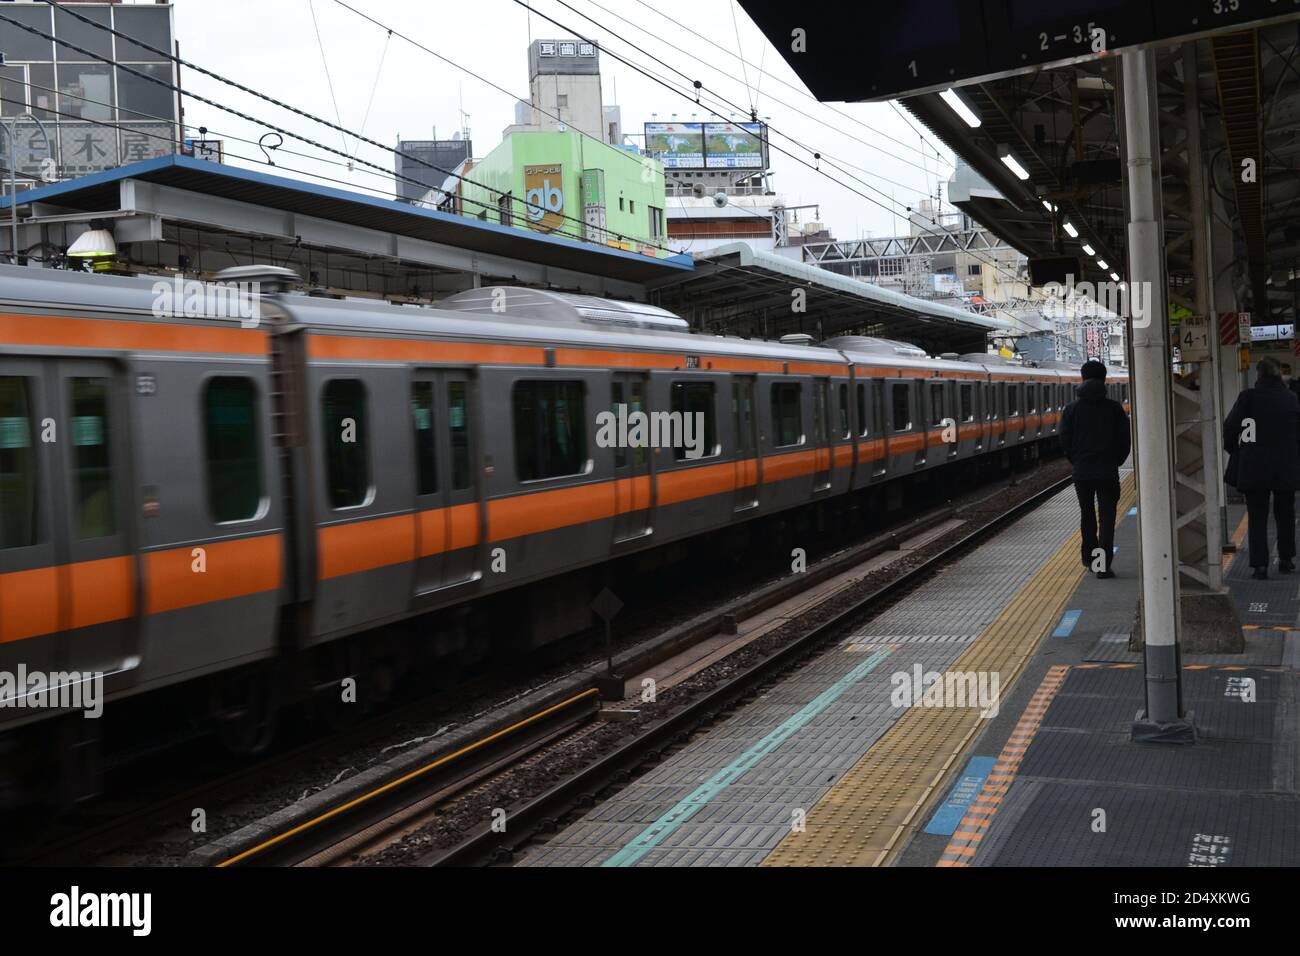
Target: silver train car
point(183, 497)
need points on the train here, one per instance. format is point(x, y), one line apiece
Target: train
point(203, 501)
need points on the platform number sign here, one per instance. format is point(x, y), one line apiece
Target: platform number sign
point(1194, 338)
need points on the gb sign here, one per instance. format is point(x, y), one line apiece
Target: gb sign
point(544, 196)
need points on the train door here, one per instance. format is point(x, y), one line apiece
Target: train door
point(632, 487)
point(879, 433)
point(744, 424)
point(957, 408)
point(446, 494)
point(29, 585)
point(822, 431)
point(97, 568)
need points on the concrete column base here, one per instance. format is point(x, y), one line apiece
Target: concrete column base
point(1181, 732)
point(1210, 623)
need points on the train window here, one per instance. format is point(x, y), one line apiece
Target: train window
point(1013, 401)
point(347, 442)
point(458, 422)
point(1031, 397)
point(846, 430)
point(938, 407)
point(787, 414)
point(92, 478)
point(967, 399)
point(902, 411)
point(233, 459)
point(550, 435)
point(18, 477)
point(862, 410)
point(696, 399)
point(426, 459)
point(742, 413)
point(877, 407)
point(616, 400)
point(636, 404)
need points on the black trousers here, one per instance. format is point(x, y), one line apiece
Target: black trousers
point(1097, 503)
point(1283, 514)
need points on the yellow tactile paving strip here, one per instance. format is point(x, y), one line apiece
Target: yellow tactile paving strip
point(966, 839)
point(862, 819)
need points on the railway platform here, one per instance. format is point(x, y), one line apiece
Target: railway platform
point(1018, 754)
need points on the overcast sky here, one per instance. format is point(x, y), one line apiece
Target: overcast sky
point(271, 46)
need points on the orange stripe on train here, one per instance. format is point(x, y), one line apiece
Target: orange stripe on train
point(233, 569)
point(29, 603)
point(120, 335)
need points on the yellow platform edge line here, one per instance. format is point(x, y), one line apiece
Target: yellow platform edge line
point(860, 821)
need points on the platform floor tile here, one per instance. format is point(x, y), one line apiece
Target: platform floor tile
point(727, 798)
point(1055, 825)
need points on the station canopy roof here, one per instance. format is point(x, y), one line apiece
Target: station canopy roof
point(1062, 123)
point(738, 290)
point(180, 186)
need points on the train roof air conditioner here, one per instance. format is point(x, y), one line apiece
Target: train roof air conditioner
point(513, 303)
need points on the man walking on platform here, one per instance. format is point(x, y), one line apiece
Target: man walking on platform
point(1095, 436)
point(1262, 439)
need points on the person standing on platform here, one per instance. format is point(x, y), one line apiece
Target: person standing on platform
point(1291, 383)
point(1096, 439)
point(1262, 439)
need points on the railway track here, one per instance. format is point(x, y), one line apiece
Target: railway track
point(368, 818)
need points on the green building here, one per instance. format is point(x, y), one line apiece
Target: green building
point(568, 184)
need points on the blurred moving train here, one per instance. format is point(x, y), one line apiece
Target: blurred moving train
point(271, 507)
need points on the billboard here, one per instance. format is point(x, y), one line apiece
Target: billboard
point(733, 146)
point(678, 145)
point(544, 196)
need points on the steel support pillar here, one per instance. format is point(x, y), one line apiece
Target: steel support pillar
point(1209, 617)
point(1162, 719)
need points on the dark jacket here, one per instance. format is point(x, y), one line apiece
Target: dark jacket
point(1272, 460)
point(1095, 433)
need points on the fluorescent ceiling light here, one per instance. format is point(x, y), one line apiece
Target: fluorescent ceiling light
point(1089, 249)
point(961, 108)
point(1048, 206)
point(1101, 264)
point(1074, 233)
point(1012, 164)
point(1114, 277)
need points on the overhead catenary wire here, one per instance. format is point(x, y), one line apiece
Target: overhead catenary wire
point(816, 154)
point(329, 81)
point(835, 293)
point(322, 121)
point(272, 126)
point(804, 93)
point(794, 109)
point(700, 91)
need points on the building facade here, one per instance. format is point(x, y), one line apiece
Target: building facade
point(424, 164)
point(568, 184)
point(74, 113)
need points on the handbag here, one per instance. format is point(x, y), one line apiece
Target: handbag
point(1231, 474)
